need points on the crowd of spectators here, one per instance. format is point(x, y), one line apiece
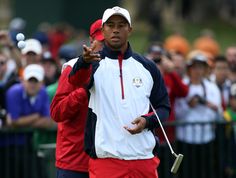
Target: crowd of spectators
point(201, 82)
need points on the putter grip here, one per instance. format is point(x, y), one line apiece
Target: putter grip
point(177, 163)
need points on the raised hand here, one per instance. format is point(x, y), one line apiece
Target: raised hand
point(89, 54)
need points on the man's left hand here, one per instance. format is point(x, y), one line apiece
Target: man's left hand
point(139, 124)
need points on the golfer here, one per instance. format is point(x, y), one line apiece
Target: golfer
point(121, 83)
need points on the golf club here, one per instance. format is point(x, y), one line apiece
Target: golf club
point(179, 157)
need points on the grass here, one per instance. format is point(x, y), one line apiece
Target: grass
point(225, 33)
point(139, 41)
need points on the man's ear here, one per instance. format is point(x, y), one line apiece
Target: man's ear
point(130, 30)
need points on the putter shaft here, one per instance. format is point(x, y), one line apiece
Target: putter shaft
point(179, 157)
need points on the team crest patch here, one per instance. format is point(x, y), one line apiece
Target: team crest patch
point(137, 82)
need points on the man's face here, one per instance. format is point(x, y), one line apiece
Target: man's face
point(179, 62)
point(32, 58)
point(116, 31)
point(50, 69)
point(231, 55)
point(221, 71)
point(197, 70)
point(32, 86)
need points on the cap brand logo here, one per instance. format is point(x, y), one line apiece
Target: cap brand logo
point(137, 82)
point(117, 9)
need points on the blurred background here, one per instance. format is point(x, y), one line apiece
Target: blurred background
point(153, 19)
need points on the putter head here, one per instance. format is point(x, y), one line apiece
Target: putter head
point(177, 163)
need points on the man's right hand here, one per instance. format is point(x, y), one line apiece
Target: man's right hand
point(89, 55)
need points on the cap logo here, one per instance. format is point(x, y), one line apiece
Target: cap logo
point(137, 82)
point(117, 9)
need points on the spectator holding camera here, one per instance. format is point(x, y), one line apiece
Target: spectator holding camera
point(202, 104)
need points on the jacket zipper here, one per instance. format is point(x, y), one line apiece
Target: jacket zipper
point(120, 59)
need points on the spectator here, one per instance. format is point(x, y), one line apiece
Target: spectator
point(221, 78)
point(69, 108)
point(27, 102)
point(16, 25)
point(207, 43)
point(230, 135)
point(28, 107)
point(10, 50)
point(179, 64)
point(231, 57)
point(57, 38)
point(32, 52)
point(208, 56)
point(154, 51)
point(67, 52)
point(118, 129)
point(7, 79)
point(41, 35)
point(177, 43)
point(232, 75)
point(202, 104)
point(51, 90)
point(50, 68)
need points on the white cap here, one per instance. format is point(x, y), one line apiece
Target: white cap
point(34, 71)
point(197, 58)
point(32, 45)
point(116, 11)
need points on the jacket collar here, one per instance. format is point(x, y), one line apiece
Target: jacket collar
point(108, 52)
